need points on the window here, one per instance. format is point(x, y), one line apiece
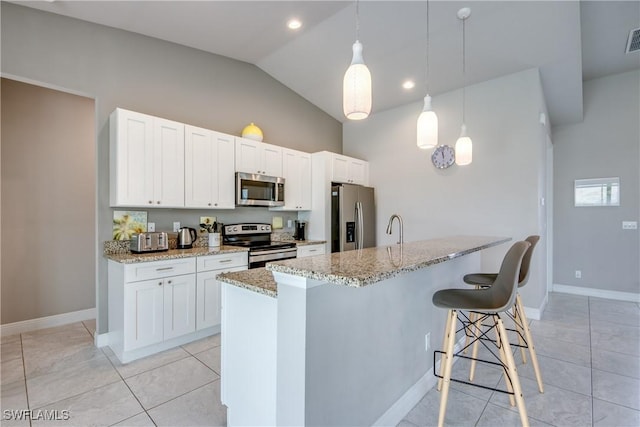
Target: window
point(597, 192)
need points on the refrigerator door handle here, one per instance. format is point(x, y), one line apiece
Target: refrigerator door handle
point(357, 218)
point(360, 231)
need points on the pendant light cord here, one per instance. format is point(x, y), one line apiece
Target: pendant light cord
point(427, 68)
point(464, 70)
point(357, 20)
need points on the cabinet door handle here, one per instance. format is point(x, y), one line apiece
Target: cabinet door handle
point(158, 202)
point(208, 204)
point(150, 202)
point(164, 269)
point(313, 250)
point(169, 282)
point(159, 283)
point(225, 260)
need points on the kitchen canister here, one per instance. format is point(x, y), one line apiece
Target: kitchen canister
point(214, 240)
point(252, 131)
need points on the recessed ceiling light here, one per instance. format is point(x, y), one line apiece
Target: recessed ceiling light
point(408, 84)
point(294, 24)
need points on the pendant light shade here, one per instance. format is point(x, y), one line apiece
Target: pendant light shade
point(356, 94)
point(464, 148)
point(427, 126)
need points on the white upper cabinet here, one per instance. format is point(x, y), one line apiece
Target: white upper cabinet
point(258, 157)
point(209, 169)
point(296, 170)
point(349, 170)
point(147, 160)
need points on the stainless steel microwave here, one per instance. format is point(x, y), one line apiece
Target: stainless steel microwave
point(259, 190)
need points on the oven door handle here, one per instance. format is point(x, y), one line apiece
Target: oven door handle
point(272, 251)
point(271, 257)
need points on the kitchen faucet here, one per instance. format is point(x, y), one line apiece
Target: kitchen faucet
point(389, 227)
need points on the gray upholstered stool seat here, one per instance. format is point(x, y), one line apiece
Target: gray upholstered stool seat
point(488, 303)
point(480, 279)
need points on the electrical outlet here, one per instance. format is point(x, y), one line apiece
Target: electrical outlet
point(151, 226)
point(629, 225)
point(578, 274)
point(176, 226)
point(427, 341)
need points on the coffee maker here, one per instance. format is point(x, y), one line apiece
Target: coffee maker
point(300, 230)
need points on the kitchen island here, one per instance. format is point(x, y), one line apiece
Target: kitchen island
point(338, 339)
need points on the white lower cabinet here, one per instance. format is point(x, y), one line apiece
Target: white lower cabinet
point(157, 305)
point(158, 309)
point(208, 306)
point(310, 250)
point(143, 314)
point(179, 305)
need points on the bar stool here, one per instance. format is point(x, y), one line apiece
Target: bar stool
point(525, 339)
point(488, 303)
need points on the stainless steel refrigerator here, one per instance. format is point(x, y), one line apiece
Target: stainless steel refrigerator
point(353, 221)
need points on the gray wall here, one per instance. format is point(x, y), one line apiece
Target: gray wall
point(122, 69)
point(605, 144)
point(498, 194)
point(48, 202)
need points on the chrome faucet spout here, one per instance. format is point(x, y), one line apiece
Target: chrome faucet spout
point(390, 227)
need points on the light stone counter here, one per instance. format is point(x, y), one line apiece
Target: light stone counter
point(130, 258)
point(257, 279)
point(363, 267)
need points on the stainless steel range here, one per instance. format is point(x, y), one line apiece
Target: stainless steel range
point(257, 237)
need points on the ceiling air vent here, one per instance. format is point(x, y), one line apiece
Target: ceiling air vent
point(633, 44)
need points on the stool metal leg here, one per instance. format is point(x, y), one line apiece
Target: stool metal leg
point(529, 339)
point(513, 373)
point(517, 318)
point(472, 318)
point(448, 363)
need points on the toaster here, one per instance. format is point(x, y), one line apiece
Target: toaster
point(150, 242)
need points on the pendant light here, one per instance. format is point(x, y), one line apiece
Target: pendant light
point(356, 87)
point(464, 145)
point(427, 126)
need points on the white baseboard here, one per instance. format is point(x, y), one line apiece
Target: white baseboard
point(47, 322)
point(599, 293)
point(411, 397)
point(533, 313)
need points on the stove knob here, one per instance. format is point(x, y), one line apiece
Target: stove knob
point(235, 228)
point(262, 227)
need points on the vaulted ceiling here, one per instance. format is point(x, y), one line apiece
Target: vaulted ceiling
point(569, 41)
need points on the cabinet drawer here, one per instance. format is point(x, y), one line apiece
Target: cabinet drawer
point(159, 269)
point(310, 250)
point(216, 262)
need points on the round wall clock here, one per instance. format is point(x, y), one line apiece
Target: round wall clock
point(443, 156)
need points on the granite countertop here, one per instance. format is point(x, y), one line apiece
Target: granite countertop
point(257, 279)
point(130, 258)
point(367, 266)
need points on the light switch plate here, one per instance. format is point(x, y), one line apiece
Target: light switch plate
point(176, 226)
point(629, 225)
point(151, 226)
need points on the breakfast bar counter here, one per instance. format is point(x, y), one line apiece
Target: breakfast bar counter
point(342, 339)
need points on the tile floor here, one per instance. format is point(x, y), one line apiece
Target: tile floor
point(60, 369)
point(588, 348)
